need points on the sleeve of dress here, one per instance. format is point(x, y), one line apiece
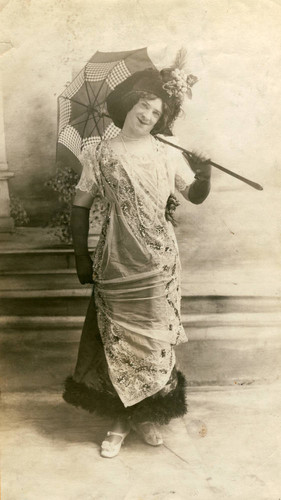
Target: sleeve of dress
point(180, 172)
point(90, 177)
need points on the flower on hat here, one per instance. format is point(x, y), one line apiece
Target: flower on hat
point(180, 84)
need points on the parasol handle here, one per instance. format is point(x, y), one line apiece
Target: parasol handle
point(187, 153)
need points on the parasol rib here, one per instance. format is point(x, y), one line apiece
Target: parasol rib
point(85, 125)
point(96, 124)
point(73, 100)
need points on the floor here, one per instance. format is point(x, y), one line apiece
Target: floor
point(227, 447)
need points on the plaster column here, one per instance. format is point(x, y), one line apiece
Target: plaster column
point(6, 221)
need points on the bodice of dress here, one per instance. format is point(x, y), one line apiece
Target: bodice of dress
point(135, 236)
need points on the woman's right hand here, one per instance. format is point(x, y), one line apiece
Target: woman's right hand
point(84, 268)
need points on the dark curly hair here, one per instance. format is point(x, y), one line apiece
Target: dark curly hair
point(166, 120)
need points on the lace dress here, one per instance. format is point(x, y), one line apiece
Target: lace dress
point(136, 267)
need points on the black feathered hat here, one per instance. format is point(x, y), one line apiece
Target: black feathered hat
point(169, 84)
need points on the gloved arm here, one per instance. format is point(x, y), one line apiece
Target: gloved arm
point(198, 191)
point(80, 231)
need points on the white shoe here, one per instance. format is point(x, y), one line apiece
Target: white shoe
point(110, 450)
point(149, 432)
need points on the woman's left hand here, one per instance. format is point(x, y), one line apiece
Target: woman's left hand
point(200, 165)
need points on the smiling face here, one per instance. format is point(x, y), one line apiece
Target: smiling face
point(143, 116)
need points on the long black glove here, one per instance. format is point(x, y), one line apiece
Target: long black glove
point(200, 188)
point(80, 231)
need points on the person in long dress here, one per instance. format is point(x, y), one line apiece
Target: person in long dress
point(126, 367)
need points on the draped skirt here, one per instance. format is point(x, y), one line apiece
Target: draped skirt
point(91, 386)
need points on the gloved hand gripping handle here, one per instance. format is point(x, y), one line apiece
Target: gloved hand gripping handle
point(200, 187)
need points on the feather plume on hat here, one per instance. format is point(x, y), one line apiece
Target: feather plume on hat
point(180, 61)
point(177, 82)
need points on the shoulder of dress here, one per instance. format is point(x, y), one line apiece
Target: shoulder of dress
point(170, 138)
point(93, 149)
point(89, 154)
point(89, 148)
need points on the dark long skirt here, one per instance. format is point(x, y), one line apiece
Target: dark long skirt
point(91, 389)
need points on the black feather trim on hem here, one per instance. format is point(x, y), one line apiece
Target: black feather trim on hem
point(158, 409)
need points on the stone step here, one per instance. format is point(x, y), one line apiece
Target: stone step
point(74, 301)
point(200, 323)
point(44, 302)
point(38, 280)
point(216, 355)
point(66, 278)
point(36, 260)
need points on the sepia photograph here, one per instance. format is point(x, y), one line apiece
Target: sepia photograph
point(140, 272)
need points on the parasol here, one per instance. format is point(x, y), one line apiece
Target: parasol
point(82, 114)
